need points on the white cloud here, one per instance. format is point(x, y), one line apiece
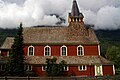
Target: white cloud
point(104, 14)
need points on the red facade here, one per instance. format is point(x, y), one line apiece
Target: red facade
point(89, 50)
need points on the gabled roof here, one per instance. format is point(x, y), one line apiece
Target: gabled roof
point(52, 35)
point(71, 60)
point(7, 43)
point(57, 35)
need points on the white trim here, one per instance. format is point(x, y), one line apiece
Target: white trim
point(33, 50)
point(101, 71)
point(99, 49)
point(113, 70)
point(49, 51)
point(82, 68)
point(61, 50)
point(82, 50)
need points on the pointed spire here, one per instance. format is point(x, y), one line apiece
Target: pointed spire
point(75, 10)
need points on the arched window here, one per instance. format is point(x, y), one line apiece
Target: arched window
point(30, 51)
point(80, 50)
point(47, 51)
point(63, 51)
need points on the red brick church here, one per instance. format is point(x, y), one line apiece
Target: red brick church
point(75, 43)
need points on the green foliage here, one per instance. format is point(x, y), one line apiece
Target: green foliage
point(113, 54)
point(107, 39)
point(15, 64)
point(53, 68)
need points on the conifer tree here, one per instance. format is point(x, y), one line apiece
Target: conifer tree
point(16, 66)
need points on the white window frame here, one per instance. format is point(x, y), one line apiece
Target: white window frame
point(49, 50)
point(62, 51)
point(28, 68)
point(101, 71)
point(33, 50)
point(82, 67)
point(82, 50)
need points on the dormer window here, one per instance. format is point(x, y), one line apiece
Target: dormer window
point(63, 51)
point(47, 51)
point(80, 50)
point(30, 51)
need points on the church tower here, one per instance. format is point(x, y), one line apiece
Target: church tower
point(76, 23)
point(75, 15)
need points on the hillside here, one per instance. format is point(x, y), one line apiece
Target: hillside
point(107, 37)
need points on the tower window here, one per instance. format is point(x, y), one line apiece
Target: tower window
point(47, 51)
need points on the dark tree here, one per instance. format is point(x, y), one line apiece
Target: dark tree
point(53, 68)
point(16, 66)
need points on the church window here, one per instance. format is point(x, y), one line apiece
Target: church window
point(47, 51)
point(30, 51)
point(82, 67)
point(80, 50)
point(44, 68)
point(66, 68)
point(63, 51)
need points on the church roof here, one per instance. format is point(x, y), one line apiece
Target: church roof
point(71, 60)
point(7, 43)
point(57, 35)
point(53, 35)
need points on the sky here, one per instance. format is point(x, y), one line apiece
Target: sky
point(103, 14)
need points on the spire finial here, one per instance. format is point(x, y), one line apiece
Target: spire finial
point(75, 10)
